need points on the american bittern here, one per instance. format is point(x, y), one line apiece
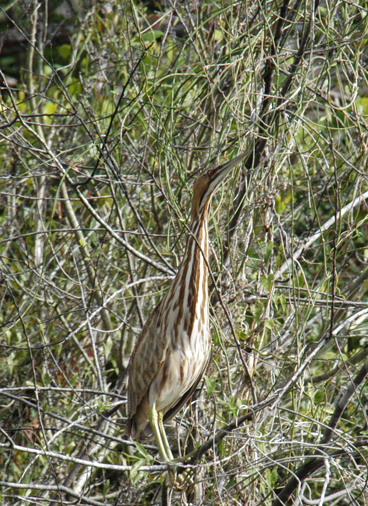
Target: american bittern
point(173, 350)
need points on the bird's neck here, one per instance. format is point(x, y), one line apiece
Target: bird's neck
point(197, 241)
point(188, 295)
point(196, 258)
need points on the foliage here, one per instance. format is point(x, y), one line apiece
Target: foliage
point(102, 133)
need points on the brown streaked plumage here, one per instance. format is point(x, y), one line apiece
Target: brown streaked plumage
point(173, 349)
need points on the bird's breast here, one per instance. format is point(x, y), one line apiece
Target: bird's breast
point(181, 368)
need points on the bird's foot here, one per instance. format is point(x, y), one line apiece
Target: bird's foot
point(175, 480)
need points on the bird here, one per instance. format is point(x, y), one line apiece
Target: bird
point(173, 350)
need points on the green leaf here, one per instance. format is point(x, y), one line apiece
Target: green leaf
point(269, 324)
point(134, 474)
point(74, 379)
point(41, 328)
point(210, 385)
point(257, 311)
point(152, 35)
point(106, 488)
point(319, 396)
point(218, 34)
point(142, 450)
point(282, 300)
point(271, 476)
point(242, 336)
point(108, 346)
point(267, 281)
point(267, 249)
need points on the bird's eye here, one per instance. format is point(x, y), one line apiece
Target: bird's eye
point(210, 172)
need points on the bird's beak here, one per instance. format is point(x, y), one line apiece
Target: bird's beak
point(220, 172)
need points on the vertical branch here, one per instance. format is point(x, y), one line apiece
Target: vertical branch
point(40, 179)
point(334, 250)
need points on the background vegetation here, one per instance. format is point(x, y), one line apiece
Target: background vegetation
point(109, 110)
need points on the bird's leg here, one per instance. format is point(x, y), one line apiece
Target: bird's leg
point(156, 420)
point(153, 418)
point(178, 481)
point(163, 435)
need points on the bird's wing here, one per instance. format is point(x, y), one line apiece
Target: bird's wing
point(145, 361)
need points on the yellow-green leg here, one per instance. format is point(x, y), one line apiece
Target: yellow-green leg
point(157, 425)
point(155, 420)
point(163, 435)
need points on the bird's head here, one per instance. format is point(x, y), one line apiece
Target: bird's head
point(207, 183)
